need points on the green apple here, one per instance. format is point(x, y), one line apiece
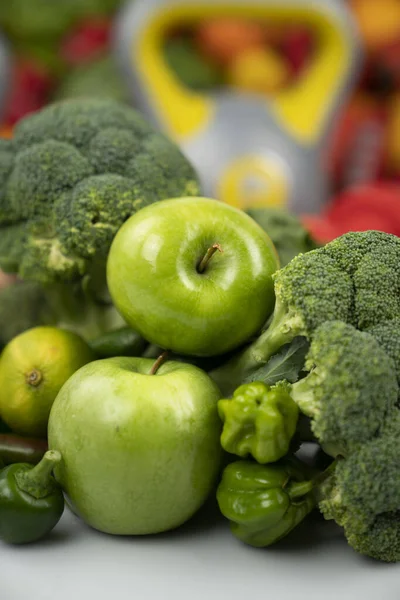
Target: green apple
point(193, 275)
point(140, 451)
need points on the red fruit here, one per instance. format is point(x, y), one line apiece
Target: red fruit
point(360, 208)
point(320, 228)
point(30, 89)
point(85, 41)
point(373, 206)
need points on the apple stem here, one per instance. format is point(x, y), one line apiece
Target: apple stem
point(160, 360)
point(207, 257)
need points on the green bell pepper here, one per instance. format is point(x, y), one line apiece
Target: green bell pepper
point(259, 420)
point(264, 502)
point(31, 502)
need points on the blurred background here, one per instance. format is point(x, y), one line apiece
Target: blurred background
point(291, 105)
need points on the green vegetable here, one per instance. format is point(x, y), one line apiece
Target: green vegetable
point(363, 496)
point(371, 259)
point(286, 364)
point(264, 503)
point(191, 68)
point(17, 449)
point(72, 174)
point(120, 342)
point(259, 421)
point(31, 502)
point(285, 229)
point(98, 79)
point(354, 279)
point(387, 334)
point(351, 389)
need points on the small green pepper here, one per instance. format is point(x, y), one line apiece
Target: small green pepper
point(264, 502)
point(259, 420)
point(31, 502)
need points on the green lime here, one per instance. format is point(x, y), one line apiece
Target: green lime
point(33, 367)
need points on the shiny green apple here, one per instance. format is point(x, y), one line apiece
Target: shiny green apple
point(140, 451)
point(193, 275)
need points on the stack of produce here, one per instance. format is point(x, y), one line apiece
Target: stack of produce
point(156, 352)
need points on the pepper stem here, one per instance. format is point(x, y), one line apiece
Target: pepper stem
point(207, 257)
point(297, 489)
point(160, 361)
point(37, 481)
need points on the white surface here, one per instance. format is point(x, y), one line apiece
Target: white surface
point(200, 561)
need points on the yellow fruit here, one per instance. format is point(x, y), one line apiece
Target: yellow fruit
point(378, 21)
point(33, 368)
point(259, 70)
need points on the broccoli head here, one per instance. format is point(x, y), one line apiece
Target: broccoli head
point(371, 259)
point(380, 540)
point(71, 176)
point(351, 388)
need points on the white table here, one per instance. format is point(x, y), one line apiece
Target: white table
point(200, 561)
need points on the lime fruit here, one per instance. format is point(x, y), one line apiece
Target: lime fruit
point(33, 367)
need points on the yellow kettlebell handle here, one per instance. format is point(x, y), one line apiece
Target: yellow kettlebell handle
point(304, 109)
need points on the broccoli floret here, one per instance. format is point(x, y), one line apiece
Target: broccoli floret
point(310, 290)
point(371, 258)
point(86, 221)
point(22, 305)
point(388, 335)
point(286, 231)
point(362, 494)
point(41, 174)
point(350, 390)
point(380, 540)
point(368, 480)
